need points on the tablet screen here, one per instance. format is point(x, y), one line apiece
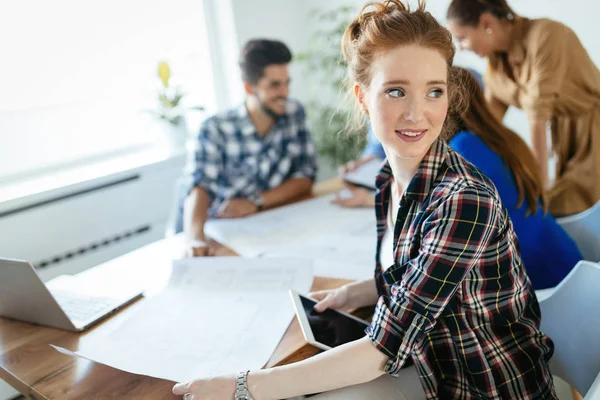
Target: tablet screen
point(330, 327)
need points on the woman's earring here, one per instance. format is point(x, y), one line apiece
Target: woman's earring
point(489, 31)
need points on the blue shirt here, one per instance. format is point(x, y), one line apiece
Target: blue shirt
point(548, 252)
point(229, 159)
point(374, 147)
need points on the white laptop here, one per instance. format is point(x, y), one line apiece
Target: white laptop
point(24, 297)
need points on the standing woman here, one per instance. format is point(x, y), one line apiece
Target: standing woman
point(540, 66)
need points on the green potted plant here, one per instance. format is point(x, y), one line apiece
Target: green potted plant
point(328, 108)
point(170, 107)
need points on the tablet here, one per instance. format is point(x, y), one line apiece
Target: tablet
point(328, 329)
point(365, 175)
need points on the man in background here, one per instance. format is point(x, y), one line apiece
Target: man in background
point(253, 157)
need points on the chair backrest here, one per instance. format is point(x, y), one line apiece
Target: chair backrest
point(584, 228)
point(594, 392)
point(571, 317)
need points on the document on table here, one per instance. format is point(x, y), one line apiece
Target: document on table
point(217, 316)
point(366, 174)
point(340, 256)
point(313, 228)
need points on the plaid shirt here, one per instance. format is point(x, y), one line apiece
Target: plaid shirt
point(457, 298)
point(230, 160)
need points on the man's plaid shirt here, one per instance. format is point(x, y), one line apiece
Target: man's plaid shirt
point(229, 159)
point(457, 299)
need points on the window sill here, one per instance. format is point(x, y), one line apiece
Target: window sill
point(19, 191)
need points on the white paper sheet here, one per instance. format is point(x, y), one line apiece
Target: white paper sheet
point(235, 274)
point(341, 256)
point(313, 228)
point(365, 174)
point(342, 270)
point(217, 316)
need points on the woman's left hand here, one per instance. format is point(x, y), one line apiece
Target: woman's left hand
point(354, 197)
point(220, 388)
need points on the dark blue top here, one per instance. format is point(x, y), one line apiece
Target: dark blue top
point(548, 252)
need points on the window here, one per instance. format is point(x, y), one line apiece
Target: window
point(77, 76)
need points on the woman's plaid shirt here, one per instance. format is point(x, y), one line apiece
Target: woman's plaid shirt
point(458, 299)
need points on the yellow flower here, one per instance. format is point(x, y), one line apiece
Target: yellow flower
point(164, 72)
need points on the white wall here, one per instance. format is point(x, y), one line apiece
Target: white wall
point(284, 20)
point(224, 47)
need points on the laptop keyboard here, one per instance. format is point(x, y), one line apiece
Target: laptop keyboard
point(83, 308)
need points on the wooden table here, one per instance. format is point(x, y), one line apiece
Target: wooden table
point(35, 369)
point(31, 366)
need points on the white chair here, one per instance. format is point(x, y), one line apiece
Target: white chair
point(571, 317)
point(594, 392)
point(584, 228)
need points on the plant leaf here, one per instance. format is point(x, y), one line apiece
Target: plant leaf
point(176, 99)
point(164, 73)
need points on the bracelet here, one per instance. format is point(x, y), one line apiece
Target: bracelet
point(198, 243)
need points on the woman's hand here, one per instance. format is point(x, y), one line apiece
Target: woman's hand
point(354, 165)
point(539, 144)
point(338, 299)
point(221, 388)
point(350, 296)
point(354, 197)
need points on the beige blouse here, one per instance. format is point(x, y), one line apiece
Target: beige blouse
point(548, 73)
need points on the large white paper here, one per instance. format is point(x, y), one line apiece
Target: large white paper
point(341, 256)
point(235, 275)
point(332, 235)
point(217, 316)
point(366, 174)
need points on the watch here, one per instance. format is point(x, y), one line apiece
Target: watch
point(241, 387)
point(258, 202)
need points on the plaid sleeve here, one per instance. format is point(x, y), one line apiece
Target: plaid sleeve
point(205, 158)
point(453, 239)
point(305, 163)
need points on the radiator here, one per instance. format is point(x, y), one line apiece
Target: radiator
point(66, 232)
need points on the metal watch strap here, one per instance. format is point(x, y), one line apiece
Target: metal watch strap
point(241, 386)
point(258, 202)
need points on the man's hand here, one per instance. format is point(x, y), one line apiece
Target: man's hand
point(237, 208)
point(198, 248)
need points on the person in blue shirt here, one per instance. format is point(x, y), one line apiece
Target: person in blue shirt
point(548, 252)
point(374, 149)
